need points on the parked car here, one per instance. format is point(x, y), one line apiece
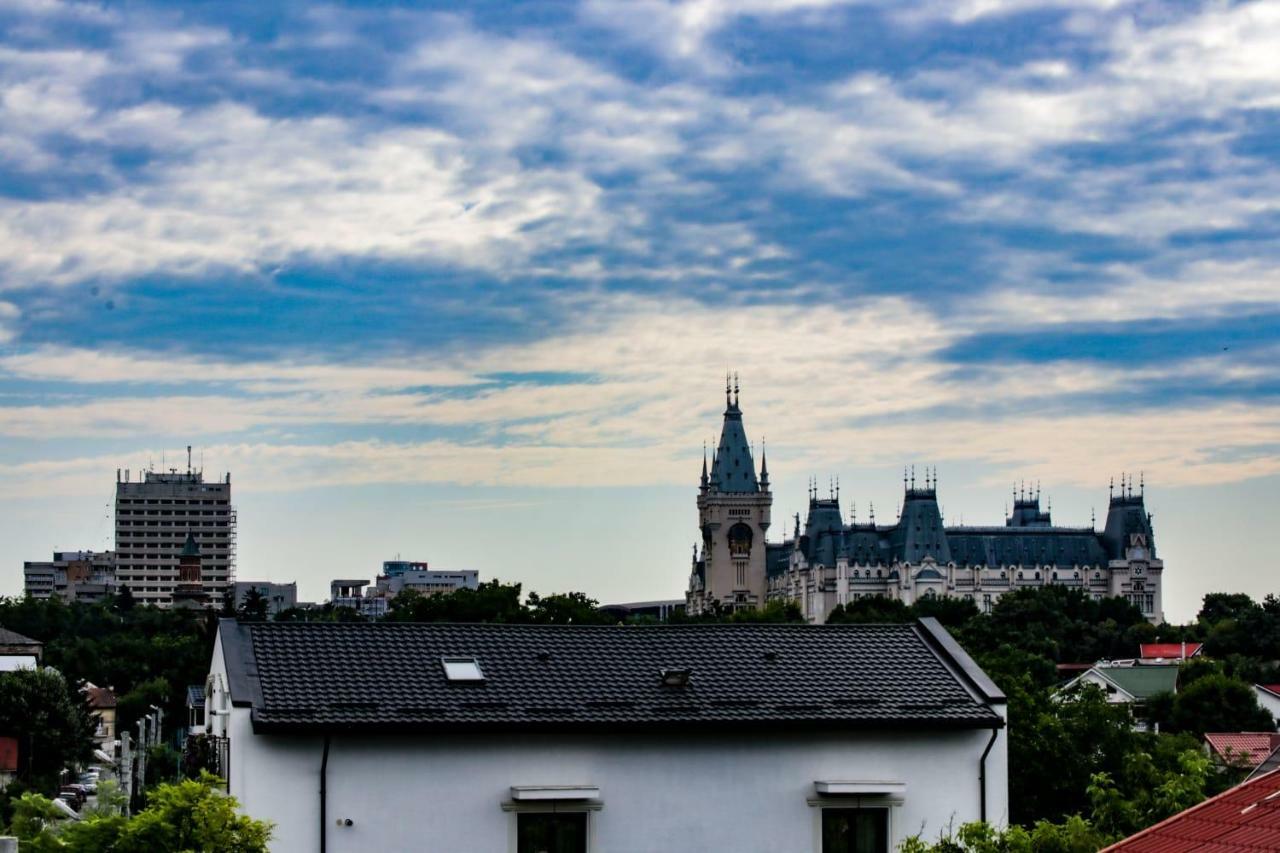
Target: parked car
point(74, 795)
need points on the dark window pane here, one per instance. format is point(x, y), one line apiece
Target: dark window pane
point(562, 832)
point(855, 831)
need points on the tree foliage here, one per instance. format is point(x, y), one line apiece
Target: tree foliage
point(189, 815)
point(50, 721)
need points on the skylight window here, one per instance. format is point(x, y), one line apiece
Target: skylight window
point(462, 669)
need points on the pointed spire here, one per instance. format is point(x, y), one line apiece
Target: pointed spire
point(873, 514)
point(913, 478)
point(1093, 518)
point(704, 466)
point(764, 468)
point(1142, 484)
point(728, 399)
point(735, 388)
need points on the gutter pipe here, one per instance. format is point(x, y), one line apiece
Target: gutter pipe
point(982, 778)
point(324, 799)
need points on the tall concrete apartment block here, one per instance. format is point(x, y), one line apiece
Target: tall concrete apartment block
point(153, 517)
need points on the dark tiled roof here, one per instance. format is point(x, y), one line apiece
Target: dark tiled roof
point(195, 696)
point(13, 638)
point(733, 469)
point(311, 676)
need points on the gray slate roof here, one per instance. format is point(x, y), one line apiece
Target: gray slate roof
point(13, 638)
point(382, 676)
point(734, 470)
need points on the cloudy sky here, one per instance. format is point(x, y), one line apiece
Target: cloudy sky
point(463, 285)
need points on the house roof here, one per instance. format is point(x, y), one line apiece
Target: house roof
point(1243, 749)
point(1140, 682)
point(13, 638)
point(100, 698)
point(369, 676)
point(195, 696)
point(1271, 762)
point(1243, 818)
point(1273, 689)
point(1168, 650)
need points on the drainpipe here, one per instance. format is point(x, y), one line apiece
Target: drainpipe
point(982, 777)
point(324, 768)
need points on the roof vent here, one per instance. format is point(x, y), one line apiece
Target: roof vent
point(675, 677)
point(544, 656)
point(771, 657)
point(462, 669)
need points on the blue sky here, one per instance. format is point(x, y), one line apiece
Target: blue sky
point(462, 283)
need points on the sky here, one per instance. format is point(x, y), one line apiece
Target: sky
point(461, 284)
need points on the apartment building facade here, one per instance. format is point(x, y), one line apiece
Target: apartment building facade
point(154, 514)
point(86, 576)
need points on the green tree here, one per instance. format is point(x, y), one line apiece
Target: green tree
point(50, 721)
point(871, 609)
point(183, 816)
point(1217, 703)
point(254, 607)
point(491, 601)
point(568, 608)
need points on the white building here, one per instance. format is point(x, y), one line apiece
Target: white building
point(154, 516)
point(279, 596)
point(1269, 698)
point(423, 580)
point(829, 562)
point(72, 576)
point(358, 595)
point(755, 737)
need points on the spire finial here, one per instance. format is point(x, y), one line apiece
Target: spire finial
point(728, 400)
point(873, 514)
point(1093, 518)
point(1142, 483)
point(853, 512)
point(735, 387)
point(1111, 488)
point(837, 487)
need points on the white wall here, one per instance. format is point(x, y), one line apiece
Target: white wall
point(660, 793)
point(1268, 701)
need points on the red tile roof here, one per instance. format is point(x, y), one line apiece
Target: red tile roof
point(102, 697)
point(1244, 818)
point(1245, 749)
point(1168, 650)
point(1271, 688)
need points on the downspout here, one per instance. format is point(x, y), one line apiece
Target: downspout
point(324, 768)
point(982, 778)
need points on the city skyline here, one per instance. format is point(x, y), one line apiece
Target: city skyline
point(464, 286)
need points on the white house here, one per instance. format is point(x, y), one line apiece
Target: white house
point(1269, 698)
point(459, 738)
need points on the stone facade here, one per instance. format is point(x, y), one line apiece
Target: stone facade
point(827, 562)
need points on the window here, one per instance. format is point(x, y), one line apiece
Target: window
point(554, 832)
point(855, 831)
point(462, 669)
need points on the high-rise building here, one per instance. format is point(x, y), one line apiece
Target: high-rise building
point(154, 516)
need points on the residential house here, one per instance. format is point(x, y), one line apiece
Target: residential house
point(1268, 696)
point(18, 652)
point(1241, 750)
point(1127, 685)
point(754, 737)
point(102, 705)
point(195, 709)
point(1246, 817)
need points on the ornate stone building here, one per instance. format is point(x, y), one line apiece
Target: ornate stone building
point(827, 562)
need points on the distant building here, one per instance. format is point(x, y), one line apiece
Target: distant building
point(349, 593)
point(1126, 685)
point(189, 593)
point(583, 739)
point(1241, 750)
point(86, 576)
point(279, 596)
point(102, 706)
point(660, 610)
point(155, 514)
point(829, 561)
point(399, 576)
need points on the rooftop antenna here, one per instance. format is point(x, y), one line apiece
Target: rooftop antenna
point(1142, 483)
point(188, 459)
point(735, 388)
point(1093, 518)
